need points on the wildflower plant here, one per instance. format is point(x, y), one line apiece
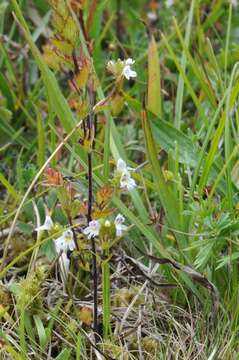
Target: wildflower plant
point(66, 54)
point(121, 187)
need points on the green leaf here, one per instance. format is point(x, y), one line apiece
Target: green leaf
point(235, 174)
point(199, 74)
point(167, 136)
point(4, 87)
point(24, 228)
point(167, 198)
point(41, 140)
point(232, 94)
point(154, 86)
point(180, 88)
point(40, 331)
point(226, 260)
point(64, 355)
point(9, 187)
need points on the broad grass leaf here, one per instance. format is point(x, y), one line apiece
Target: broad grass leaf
point(154, 86)
point(167, 197)
point(168, 137)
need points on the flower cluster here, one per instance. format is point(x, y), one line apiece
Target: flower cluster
point(63, 244)
point(122, 68)
point(93, 229)
point(126, 181)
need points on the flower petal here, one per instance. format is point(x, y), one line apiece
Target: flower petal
point(93, 229)
point(131, 184)
point(48, 224)
point(119, 219)
point(128, 73)
point(121, 166)
point(87, 230)
point(129, 61)
point(71, 245)
point(60, 245)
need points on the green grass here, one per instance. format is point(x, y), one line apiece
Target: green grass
point(176, 124)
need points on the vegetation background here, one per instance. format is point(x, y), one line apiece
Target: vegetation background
point(168, 289)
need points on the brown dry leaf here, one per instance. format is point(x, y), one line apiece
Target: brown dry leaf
point(153, 5)
point(104, 195)
point(53, 177)
point(84, 208)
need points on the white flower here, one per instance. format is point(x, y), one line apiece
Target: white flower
point(62, 244)
point(127, 71)
point(48, 224)
point(65, 242)
point(121, 166)
point(120, 227)
point(126, 180)
point(169, 3)
point(93, 229)
point(129, 61)
point(122, 68)
point(152, 15)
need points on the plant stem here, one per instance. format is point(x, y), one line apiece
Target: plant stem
point(119, 28)
point(93, 247)
point(90, 126)
point(106, 293)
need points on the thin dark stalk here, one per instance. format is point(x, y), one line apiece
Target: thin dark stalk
point(90, 126)
point(90, 194)
point(119, 27)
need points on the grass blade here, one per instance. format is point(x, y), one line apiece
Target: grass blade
point(180, 88)
point(154, 85)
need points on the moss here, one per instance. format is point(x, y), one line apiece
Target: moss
point(30, 294)
point(5, 297)
point(124, 296)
